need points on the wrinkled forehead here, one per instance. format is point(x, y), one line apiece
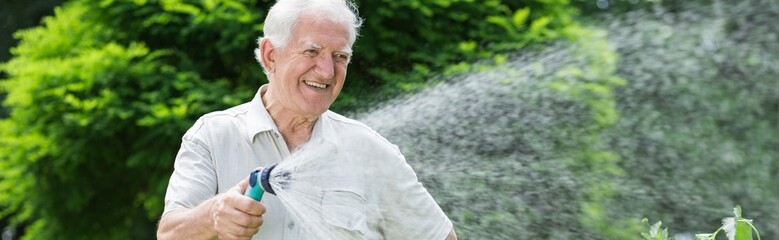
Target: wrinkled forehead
point(324, 17)
point(319, 33)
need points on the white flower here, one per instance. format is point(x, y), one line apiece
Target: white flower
point(729, 225)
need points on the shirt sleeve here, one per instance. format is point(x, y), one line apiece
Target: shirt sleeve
point(194, 177)
point(409, 211)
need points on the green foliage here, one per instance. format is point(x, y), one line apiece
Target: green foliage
point(404, 44)
point(18, 15)
point(593, 7)
point(655, 233)
point(735, 228)
point(93, 128)
point(215, 38)
point(591, 82)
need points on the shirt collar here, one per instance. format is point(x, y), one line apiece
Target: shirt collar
point(323, 129)
point(258, 118)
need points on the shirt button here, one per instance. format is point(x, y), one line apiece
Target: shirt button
point(291, 224)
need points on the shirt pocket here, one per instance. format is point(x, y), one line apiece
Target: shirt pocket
point(345, 210)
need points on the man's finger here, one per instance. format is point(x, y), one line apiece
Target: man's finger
point(252, 221)
point(242, 226)
point(245, 204)
point(254, 208)
point(241, 186)
point(235, 223)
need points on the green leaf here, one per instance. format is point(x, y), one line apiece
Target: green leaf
point(500, 59)
point(539, 24)
point(501, 22)
point(743, 230)
point(737, 212)
point(467, 46)
point(520, 17)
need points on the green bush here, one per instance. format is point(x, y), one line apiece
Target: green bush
point(734, 228)
point(92, 129)
point(406, 43)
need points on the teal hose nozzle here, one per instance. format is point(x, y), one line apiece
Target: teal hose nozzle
point(259, 184)
point(254, 190)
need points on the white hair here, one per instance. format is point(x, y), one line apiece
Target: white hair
point(284, 15)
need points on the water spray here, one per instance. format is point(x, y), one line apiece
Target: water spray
point(259, 184)
point(300, 181)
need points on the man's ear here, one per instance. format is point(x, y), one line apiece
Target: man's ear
point(268, 55)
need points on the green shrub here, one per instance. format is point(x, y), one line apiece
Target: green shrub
point(93, 128)
point(406, 43)
point(734, 228)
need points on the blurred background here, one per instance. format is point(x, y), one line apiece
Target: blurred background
point(538, 119)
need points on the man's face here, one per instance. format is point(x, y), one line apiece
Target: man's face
point(310, 71)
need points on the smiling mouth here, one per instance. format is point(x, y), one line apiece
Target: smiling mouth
point(316, 84)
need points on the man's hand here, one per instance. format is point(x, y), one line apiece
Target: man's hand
point(229, 216)
point(236, 216)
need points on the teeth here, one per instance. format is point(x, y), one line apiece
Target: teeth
point(315, 84)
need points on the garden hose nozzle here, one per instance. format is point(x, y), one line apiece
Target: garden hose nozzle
point(258, 183)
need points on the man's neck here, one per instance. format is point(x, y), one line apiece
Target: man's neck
point(295, 129)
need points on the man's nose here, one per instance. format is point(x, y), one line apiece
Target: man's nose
point(325, 66)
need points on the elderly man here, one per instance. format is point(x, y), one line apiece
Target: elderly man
point(305, 53)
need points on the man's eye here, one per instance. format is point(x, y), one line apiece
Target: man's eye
point(342, 57)
point(311, 52)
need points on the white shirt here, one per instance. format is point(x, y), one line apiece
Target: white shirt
point(372, 192)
